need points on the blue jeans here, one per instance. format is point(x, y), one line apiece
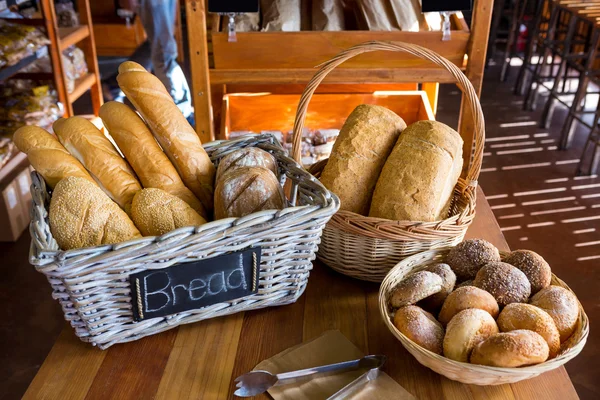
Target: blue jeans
point(158, 18)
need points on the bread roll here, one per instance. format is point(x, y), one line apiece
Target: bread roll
point(506, 283)
point(143, 153)
point(358, 155)
point(89, 145)
point(563, 307)
point(525, 316)
point(418, 179)
point(47, 155)
point(170, 128)
point(420, 327)
point(465, 330)
point(156, 212)
point(467, 257)
point(416, 287)
point(535, 268)
point(467, 297)
point(246, 190)
point(82, 215)
point(511, 349)
point(246, 157)
point(435, 301)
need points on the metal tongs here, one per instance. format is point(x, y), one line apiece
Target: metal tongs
point(257, 382)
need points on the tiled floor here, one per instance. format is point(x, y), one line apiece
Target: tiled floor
point(538, 202)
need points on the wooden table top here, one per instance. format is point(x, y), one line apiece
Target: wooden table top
point(200, 360)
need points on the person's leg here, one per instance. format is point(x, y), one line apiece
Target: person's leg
point(158, 18)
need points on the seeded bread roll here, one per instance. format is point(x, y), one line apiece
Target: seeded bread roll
point(535, 268)
point(467, 297)
point(465, 330)
point(525, 316)
point(563, 307)
point(418, 179)
point(511, 349)
point(246, 157)
point(416, 287)
point(246, 190)
point(358, 155)
point(435, 301)
point(506, 283)
point(156, 212)
point(467, 257)
point(82, 215)
point(420, 327)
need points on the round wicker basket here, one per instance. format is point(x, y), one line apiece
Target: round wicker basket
point(367, 248)
point(465, 372)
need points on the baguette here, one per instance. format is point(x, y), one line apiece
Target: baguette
point(143, 153)
point(48, 156)
point(89, 145)
point(170, 128)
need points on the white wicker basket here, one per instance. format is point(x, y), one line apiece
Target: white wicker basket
point(92, 284)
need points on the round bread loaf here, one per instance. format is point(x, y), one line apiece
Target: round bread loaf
point(535, 268)
point(416, 287)
point(469, 256)
point(435, 301)
point(420, 327)
point(506, 283)
point(467, 297)
point(465, 331)
point(156, 212)
point(246, 157)
point(563, 307)
point(511, 349)
point(525, 316)
point(246, 190)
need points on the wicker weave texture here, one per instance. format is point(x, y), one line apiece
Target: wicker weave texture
point(92, 284)
point(465, 372)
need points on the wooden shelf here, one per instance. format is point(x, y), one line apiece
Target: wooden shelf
point(15, 162)
point(72, 35)
point(81, 86)
point(7, 72)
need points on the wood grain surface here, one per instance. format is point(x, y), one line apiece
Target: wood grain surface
point(200, 361)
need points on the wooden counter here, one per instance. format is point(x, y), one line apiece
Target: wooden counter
point(200, 361)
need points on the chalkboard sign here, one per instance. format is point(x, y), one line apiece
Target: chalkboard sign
point(188, 286)
point(446, 5)
point(233, 6)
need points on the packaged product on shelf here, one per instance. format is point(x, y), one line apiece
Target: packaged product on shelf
point(249, 22)
point(70, 74)
point(328, 15)
point(408, 15)
point(18, 42)
point(66, 14)
point(280, 15)
point(74, 65)
point(376, 15)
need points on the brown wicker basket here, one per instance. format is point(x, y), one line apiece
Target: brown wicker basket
point(465, 372)
point(365, 247)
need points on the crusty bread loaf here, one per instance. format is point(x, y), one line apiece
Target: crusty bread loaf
point(82, 215)
point(170, 128)
point(511, 349)
point(435, 301)
point(503, 281)
point(467, 257)
point(535, 268)
point(246, 190)
point(563, 307)
point(47, 155)
point(156, 212)
point(89, 145)
point(358, 155)
point(467, 297)
point(465, 330)
point(525, 316)
point(420, 327)
point(143, 153)
point(418, 179)
point(246, 157)
point(416, 287)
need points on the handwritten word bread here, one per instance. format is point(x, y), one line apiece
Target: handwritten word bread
point(416, 287)
point(246, 157)
point(89, 145)
point(143, 153)
point(82, 215)
point(420, 327)
point(436, 300)
point(533, 266)
point(156, 212)
point(47, 155)
point(563, 307)
point(418, 179)
point(358, 155)
point(467, 257)
point(511, 349)
point(246, 190)
point(506, 283)
point(170, 128)
point(467, 297)
point(465, 330)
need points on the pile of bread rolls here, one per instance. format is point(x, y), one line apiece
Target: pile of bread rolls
point(148, 176)
point(381, 168)
point(501, 313)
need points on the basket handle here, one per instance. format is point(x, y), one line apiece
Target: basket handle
point(461, 80)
